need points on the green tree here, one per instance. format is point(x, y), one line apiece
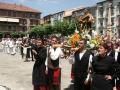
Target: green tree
point(57, 27)
point(1, 34)
point(37, 31)
point(48, 29)
point(63, 28)
point(15, 35)
point(22, 34)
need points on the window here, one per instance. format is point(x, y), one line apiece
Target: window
point(14, 13)
point(112, 10)
point(9, 27)
point(101, 11)
point(112, 21)
point(101, 24)
point(9, 13)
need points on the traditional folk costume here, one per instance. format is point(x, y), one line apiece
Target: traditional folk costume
point(80, 60)
point(39, 78)
point(54, 70)
point(116, 55)
point(103, 66)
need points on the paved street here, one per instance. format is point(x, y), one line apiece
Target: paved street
point(16, 74)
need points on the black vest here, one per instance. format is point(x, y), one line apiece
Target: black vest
point(112, 54)
point(55, 63)
point(81, 66)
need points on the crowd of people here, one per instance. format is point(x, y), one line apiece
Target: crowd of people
point(101, 63)
point(10, 46)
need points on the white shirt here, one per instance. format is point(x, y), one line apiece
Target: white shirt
point(54, 54)
point(72, 58)
point(11, 43)
point(3, 42)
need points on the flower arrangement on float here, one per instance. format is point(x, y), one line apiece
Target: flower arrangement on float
point(73, 39)
point(92, 43)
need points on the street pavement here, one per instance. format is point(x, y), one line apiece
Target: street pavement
point(16, 74)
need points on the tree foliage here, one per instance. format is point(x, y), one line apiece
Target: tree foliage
point(1, 34)
point(63, 28)
point(18, 34)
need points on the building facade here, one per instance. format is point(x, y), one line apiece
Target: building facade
point(47, 19)
point(108, 14)
point(57, 17)
point(68, 14)
point(17, 18)
point(60, 16)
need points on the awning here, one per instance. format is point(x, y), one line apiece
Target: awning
point(9, 20)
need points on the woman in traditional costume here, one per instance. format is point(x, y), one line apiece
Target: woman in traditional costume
point(39, 79)
point(105, 69)
point(54, 70)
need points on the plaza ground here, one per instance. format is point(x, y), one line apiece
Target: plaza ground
point(17, 74)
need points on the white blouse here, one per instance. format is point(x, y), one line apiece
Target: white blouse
point(54, 54)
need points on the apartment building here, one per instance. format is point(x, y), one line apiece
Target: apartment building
point(47, 19)
point(57, 17)
point(108, 14)
point(17, 18)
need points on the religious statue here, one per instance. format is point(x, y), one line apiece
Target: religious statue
point(86, 21)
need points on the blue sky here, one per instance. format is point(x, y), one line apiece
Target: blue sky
point(52, 6)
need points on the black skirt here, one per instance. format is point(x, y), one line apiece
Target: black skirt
point(39, 78)
point(100, 83)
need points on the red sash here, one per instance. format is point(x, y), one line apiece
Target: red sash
point(40, 88)
point(72, 72)
point(57, 76)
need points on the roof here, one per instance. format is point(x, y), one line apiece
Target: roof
point(82, 9)
point(58, 13)
point(101, 2)
point(9, 6)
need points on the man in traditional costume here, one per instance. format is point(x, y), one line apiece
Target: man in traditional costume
point(80, 60)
